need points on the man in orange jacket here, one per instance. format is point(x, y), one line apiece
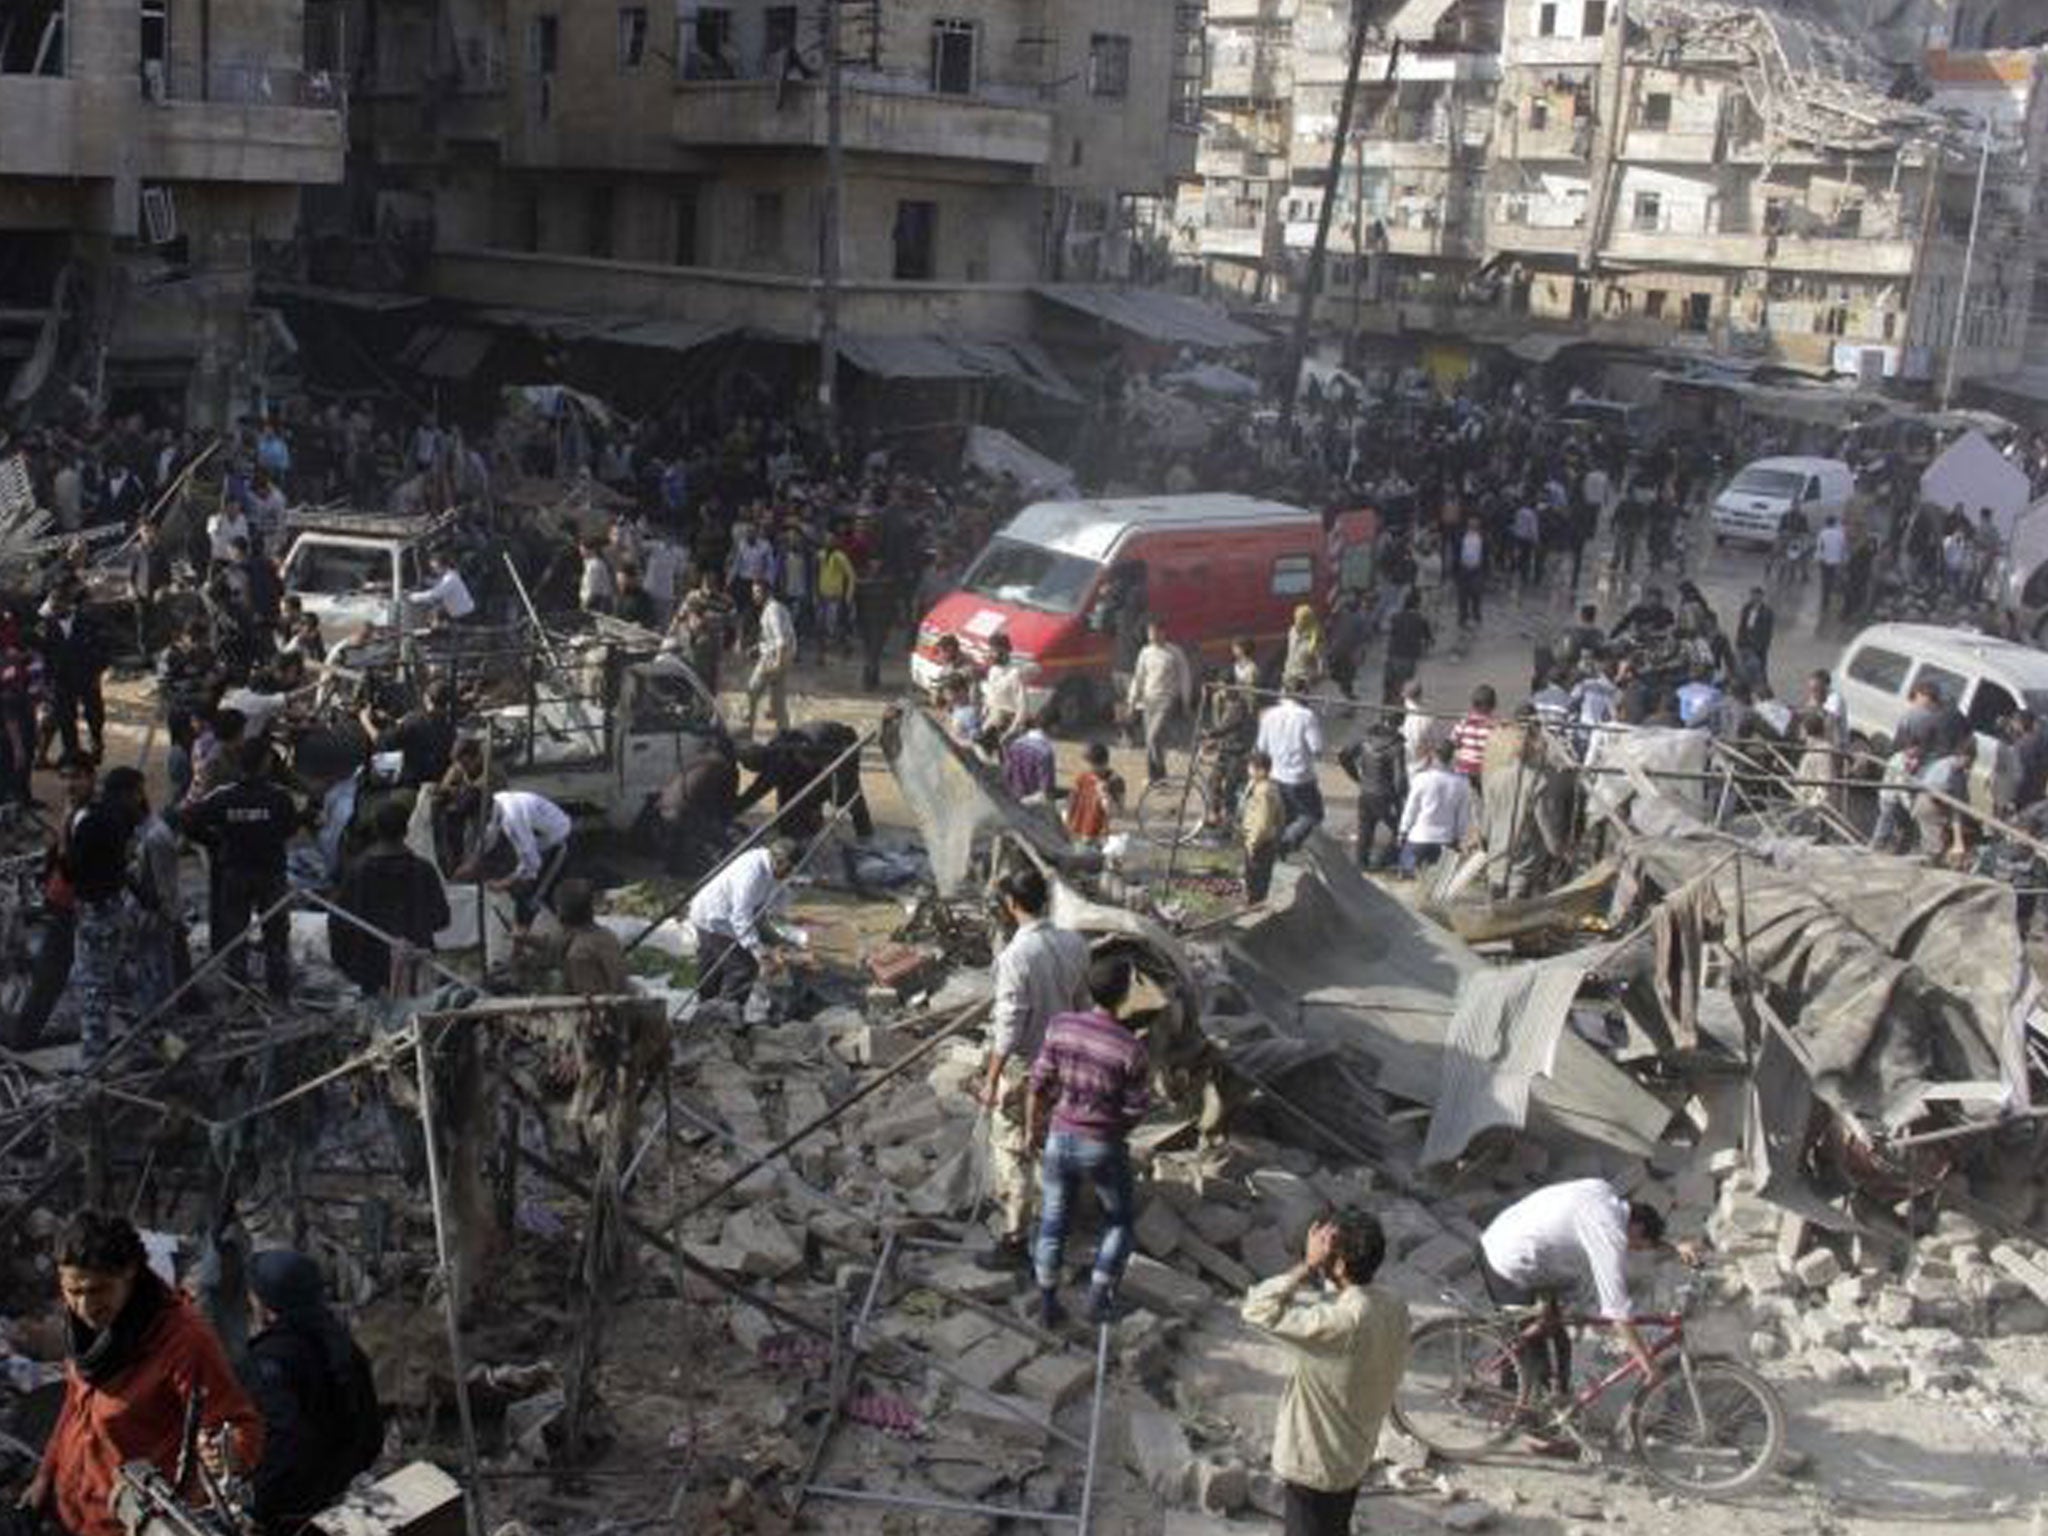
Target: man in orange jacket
point(139, 1350)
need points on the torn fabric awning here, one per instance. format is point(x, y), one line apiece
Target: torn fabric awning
point(937, 358)
point(1170, 318)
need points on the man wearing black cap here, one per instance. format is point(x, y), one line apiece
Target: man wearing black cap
point(312, 1384)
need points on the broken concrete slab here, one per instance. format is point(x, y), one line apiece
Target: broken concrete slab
point(992, 1362)
point(1159, 1229)
point(1007, 1422)
point(1057, 1379)
point(1160, 1288)
point(2024, 1267)
point(1156, 1448)
point(1222, 1226)
point(1266, 1253)
point(760, 1245)
point(1217, 1264)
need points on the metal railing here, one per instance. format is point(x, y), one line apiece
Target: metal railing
point(264, 85)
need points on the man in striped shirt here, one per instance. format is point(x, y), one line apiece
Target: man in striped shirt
point(1471, 734)
point(1094, 1074)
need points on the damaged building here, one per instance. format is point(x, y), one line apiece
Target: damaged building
point(151, 160)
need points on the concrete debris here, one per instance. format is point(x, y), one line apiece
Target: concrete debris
point(1160, 1288)
point(1057, 1379)
point(992, 1362)
point(1157, 1450)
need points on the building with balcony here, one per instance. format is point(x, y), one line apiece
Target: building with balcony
point(589, 155)
point(142, 170)
point(1731, 179)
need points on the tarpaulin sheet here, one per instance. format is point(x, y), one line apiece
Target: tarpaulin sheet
point(1896, 979)
point(1346, 963)
point(959, 802)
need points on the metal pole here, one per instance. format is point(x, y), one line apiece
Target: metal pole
point(473, 1505)
point(835, 187)
point(1304, 312)
point(1955, 343)
point(1095, 1426)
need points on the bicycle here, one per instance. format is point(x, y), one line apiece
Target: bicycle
point(1707, 1425)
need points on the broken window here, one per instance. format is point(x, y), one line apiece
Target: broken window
point(916, 241)
point(1649, 210)
point(1539, 115)
point(764, 225)
point(32, 37)
point(707, 45)
point(1653, 304)
point(1699, 311)
point(1546, 19)
point(953, 57)
point(1109, 64)
point(1595, 18)
point(543, 44)
point(780, 34)
point(632, 37)
point(156, 49)
point(1657, 111)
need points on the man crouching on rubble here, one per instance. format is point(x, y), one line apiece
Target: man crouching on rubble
point(730, 917)
point(1347, 1344)
point(1041, 972)
point(1095, 1073)
point(139, 1352)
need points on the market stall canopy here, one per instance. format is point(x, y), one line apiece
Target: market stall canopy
point(1170, 318)
point(1213, 379)
point(1975, 476)
point(957, 358)
point(996, 453)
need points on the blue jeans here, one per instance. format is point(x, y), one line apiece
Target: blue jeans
point(1067, 1160)
point(1304, 803)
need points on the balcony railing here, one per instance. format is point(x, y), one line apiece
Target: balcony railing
point(253, 85)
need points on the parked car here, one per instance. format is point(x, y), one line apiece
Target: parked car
point(1985, 677)
point(1061, 577)
point(1755, 502)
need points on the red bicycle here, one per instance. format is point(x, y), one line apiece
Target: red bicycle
point(1707, 1425)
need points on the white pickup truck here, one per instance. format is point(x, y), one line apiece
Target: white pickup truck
point(354, 569)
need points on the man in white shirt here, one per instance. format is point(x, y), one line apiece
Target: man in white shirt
point(1292, 736)
point(224, 530)
point(730, 917)
point(595, 587)
point(1560, 1240)
point(1830, 553)
point(1003, 710)
point(774, 655)
point(1042, 971)
point(537, 831)
point(1437, 813)
point(1162, 691)
point(447, 592)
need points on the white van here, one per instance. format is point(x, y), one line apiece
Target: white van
point(1756, 500)
point(1985, 677)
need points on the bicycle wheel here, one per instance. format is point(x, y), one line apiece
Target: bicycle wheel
point(1461, 1395)
point(1712, 1428)
point(1173, 811)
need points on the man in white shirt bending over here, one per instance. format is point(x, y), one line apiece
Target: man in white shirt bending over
point(1560, 1240)
point(730, 917)
point(536, 829)
point(1292, 736)
point(447, 592)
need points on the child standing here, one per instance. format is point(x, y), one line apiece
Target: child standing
point(1097, 790)
point(1260, 820)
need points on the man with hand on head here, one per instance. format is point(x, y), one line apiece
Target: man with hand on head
point(1348, 1343)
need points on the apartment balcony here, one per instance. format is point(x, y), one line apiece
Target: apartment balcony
point(1268, 80)
point(1554, 52)
point(1565, 141)
point(1414, 240)
point(1832, 256)
point(1247, 12)
point(1245, 242)
point(253, 125)
point(1664, 148)
point(1536, 225)
point(1236, 162)
point(877, 117)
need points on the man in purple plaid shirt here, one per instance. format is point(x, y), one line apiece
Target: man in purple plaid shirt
point(1094, 1072)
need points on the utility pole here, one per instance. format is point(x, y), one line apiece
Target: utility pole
point(1357, 243)
point(1297, 347)
point(1955, 341)
point(835, 196)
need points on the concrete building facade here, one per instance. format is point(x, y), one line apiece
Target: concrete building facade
point(1742, 181)
point(148, 156)
point(571, 151)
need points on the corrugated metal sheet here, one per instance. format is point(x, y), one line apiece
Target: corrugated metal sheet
point(960, 358)
point(1170, 318)
point(445, 351)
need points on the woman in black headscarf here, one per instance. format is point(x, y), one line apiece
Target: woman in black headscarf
point(313, 1386)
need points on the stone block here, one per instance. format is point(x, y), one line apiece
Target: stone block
point(1217, 1264)
point(1265, 1252)
point(1468, 1515)
point(905, 1167)
point(1879, 1367)
point(1893, 1309)
point(992, 1362)
point(1222, 1488)
point(913, 1117)
point(1005, 1424)
point(1159, 1229)
point(1767, 1344)
point(1761, 1275)
point(1157, 1450)
point(957, 1334)
point(1817, 1270)
point(1057, 1379)
point(2019, 1315)
point(1926, 1376)
point(1830, 1367)
point(1821, 1329)
point(1222, 1226)
point(1159, 1288)
point(2023, 1266)
point(1287, 1200)
point(760, 1245)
